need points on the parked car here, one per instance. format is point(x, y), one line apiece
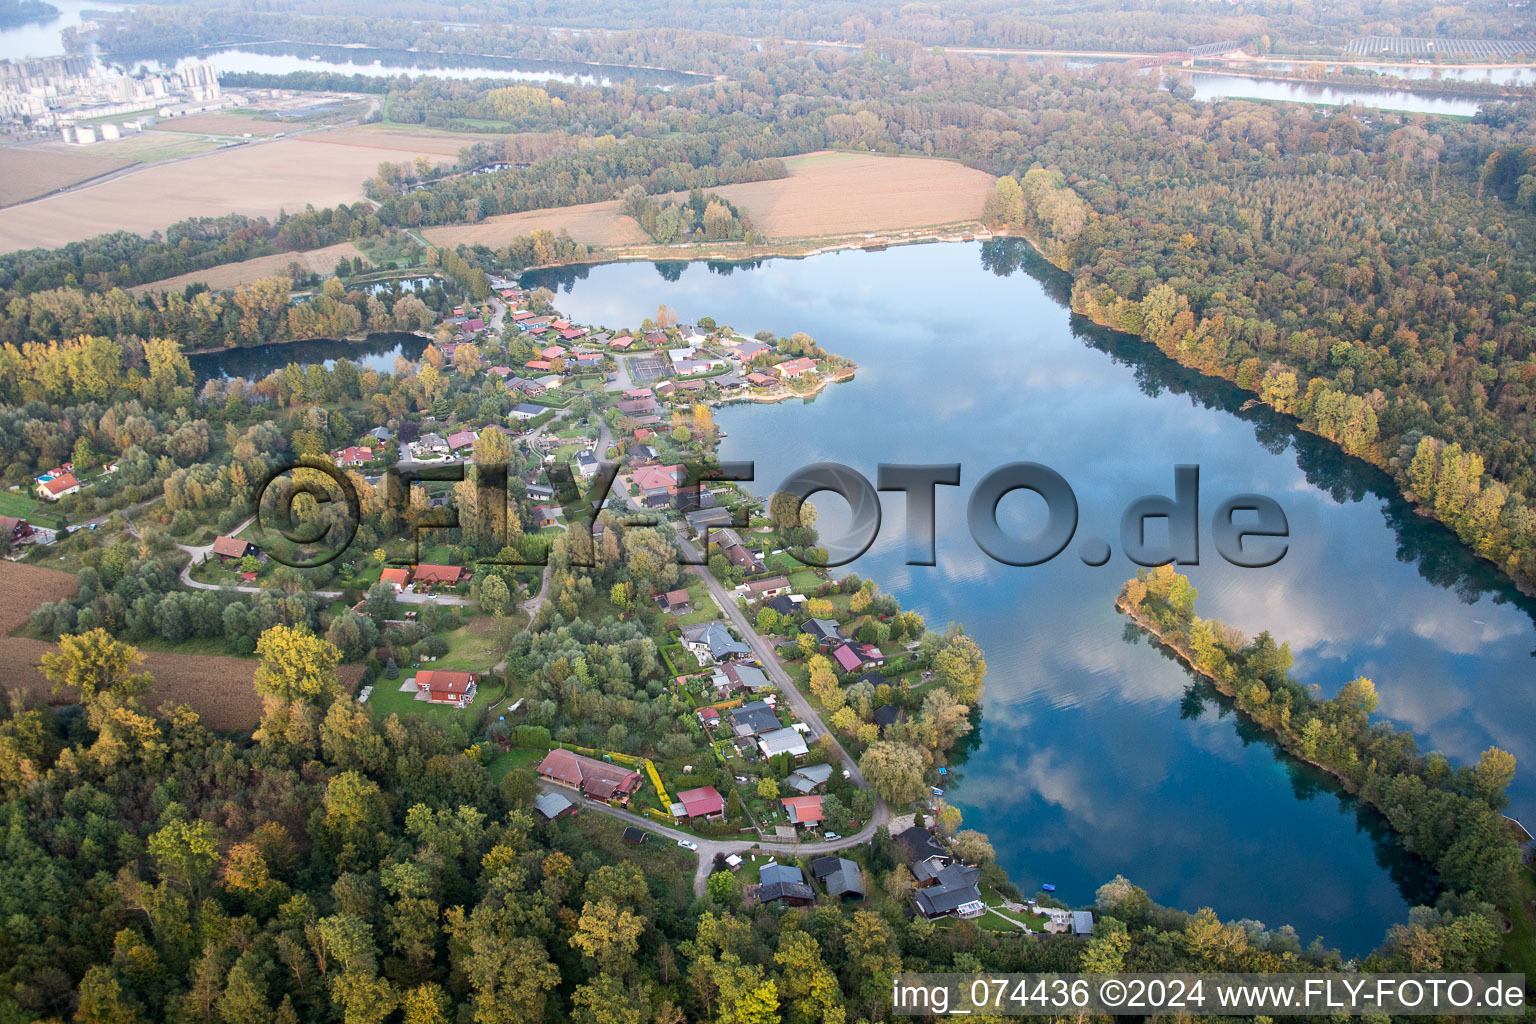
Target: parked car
point(832, 837)
point(688, 844)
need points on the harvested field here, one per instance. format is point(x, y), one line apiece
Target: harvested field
point(409, 140)
point(232, 275)
point(219, 689)
point(600, 224)
point(26, 173)
point(222, 124)
point(258, 179)
point(831, 193)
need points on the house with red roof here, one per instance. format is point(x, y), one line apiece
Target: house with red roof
point(709, 716)
point(396, 576)
point(58, 487)
point(622, 342)
point(463, 439)
point(352, 455)
point(538, 364)
point(795, 367)
point(233, 547)
point(448, 575)
point(16, 529)
point(455, 688)
point(704, 802)
point(597, 779)
point(803, 810)
point(651, 477)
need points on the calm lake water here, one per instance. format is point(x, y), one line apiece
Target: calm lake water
point(1094, 757)
point(1220, 85)
point(254, 363)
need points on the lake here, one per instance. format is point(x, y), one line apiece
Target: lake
point(1094, 757)
point(378, 352)
point(1214, 85)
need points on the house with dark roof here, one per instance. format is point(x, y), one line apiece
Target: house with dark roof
point(954, 893)
point(794, 894)
point(552, 805)
point(707, 518)
point(918, 846)
point(635, 835)
point(527, 411)
point(840, 876)
point(711, 642)
point(771, 873)
point(824, 631)
point(886, 715)
point(737, 676)
point(742, 559)
point(874, 679)
point(784, 604)
point(754, 719)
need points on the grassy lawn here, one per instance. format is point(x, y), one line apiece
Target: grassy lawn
point(476, 646)
point(1520, 941)
point(704, 609)
point(18, 504)
point(804, 581)
point(517, 757)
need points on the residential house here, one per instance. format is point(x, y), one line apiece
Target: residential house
point(1082, 922)
point(539, 492)
point(840, 876)
point(704, 802)
point(953, 893)
point(654, 338)
point(587, 465)
point(785, 604)
point(823, 630)
point(444, 575)
point(783, 741)
point(456, 688)
point(622, 343)
point(539, 365)
point(233, 547)
point(640, 455)
point(460, 440)
point(738, 676)
point(54, 488)
point(500, 371)
point(396, 577)
point(760, 380)
point(925, 856)
point(868, 654)
point(806, 780)
point(784, 883)
point(550, 381)
point(544, 517)
point(379, 434)
point(14, 529)
point(352, 456)
point(656, 497)
point(709, 716)
point(803, 810)
point(753, 719)
point(886, 715)
point(743, 559)
point(552, 805)
point(649, 478)
point(637, 406)
point(431, 444)
point(600, 780)
point(572, 333)
point(675, 602)
point(703, 519)
point(746, 351)
point(845, 659)
point(795, 368)
point(711, 642)
point(527, 411)
point(773, 587)
point(525, 386)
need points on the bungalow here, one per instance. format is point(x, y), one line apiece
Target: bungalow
point(711, 642)
point(730, 382)
point(472, 325)
point(783, 741)
point(868, 654)
point(525, 386)
point(753, 719)
point(588, 360)
point(600, 780)
point(14, 529)
point(462, 439)
point(806, 780)
point(635, 394)
point(550, 381)
point(823, 630)
point(640, 455)
point(523, 316)
point(638, 406)
point(709, 716)
point(704, 802)
point(551, 352)
point(539, 492)
point(795, 368)
point(953, 894)
point(500, 371)
point(760, 380)
point(572, 333)
point(886, 715)
point(560, 325)
point(352, 456)
point(552, 805)
point(794, 894)
point(379, 434)
point(675, 602)
point(649, 478)
point(846, 659)
point(702, 519)
point(655, 338)
point(526, 411)
point(544, 517)
point(644, 434)
point(803, 810)
point(396, 577)
point(737, 676)
point(840, 876)
point(533, 324)
point(540, 365)
point(742, 559)
point(448, 575)
point(773, 586)
point(774, 873)
point(233, 547)
point(656, 497)
point(874, 679)
point(746, 351)
point(58, 487)
point(456, 688)
point(622, 342)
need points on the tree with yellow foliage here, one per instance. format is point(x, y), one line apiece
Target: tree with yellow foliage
point(297, 665)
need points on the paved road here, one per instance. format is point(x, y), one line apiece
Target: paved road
point(765, 654)
point(709, 848)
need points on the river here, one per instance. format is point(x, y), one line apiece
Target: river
point(1094, 758)
point(1213, 85)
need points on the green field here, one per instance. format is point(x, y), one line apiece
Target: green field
point(17, 504)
